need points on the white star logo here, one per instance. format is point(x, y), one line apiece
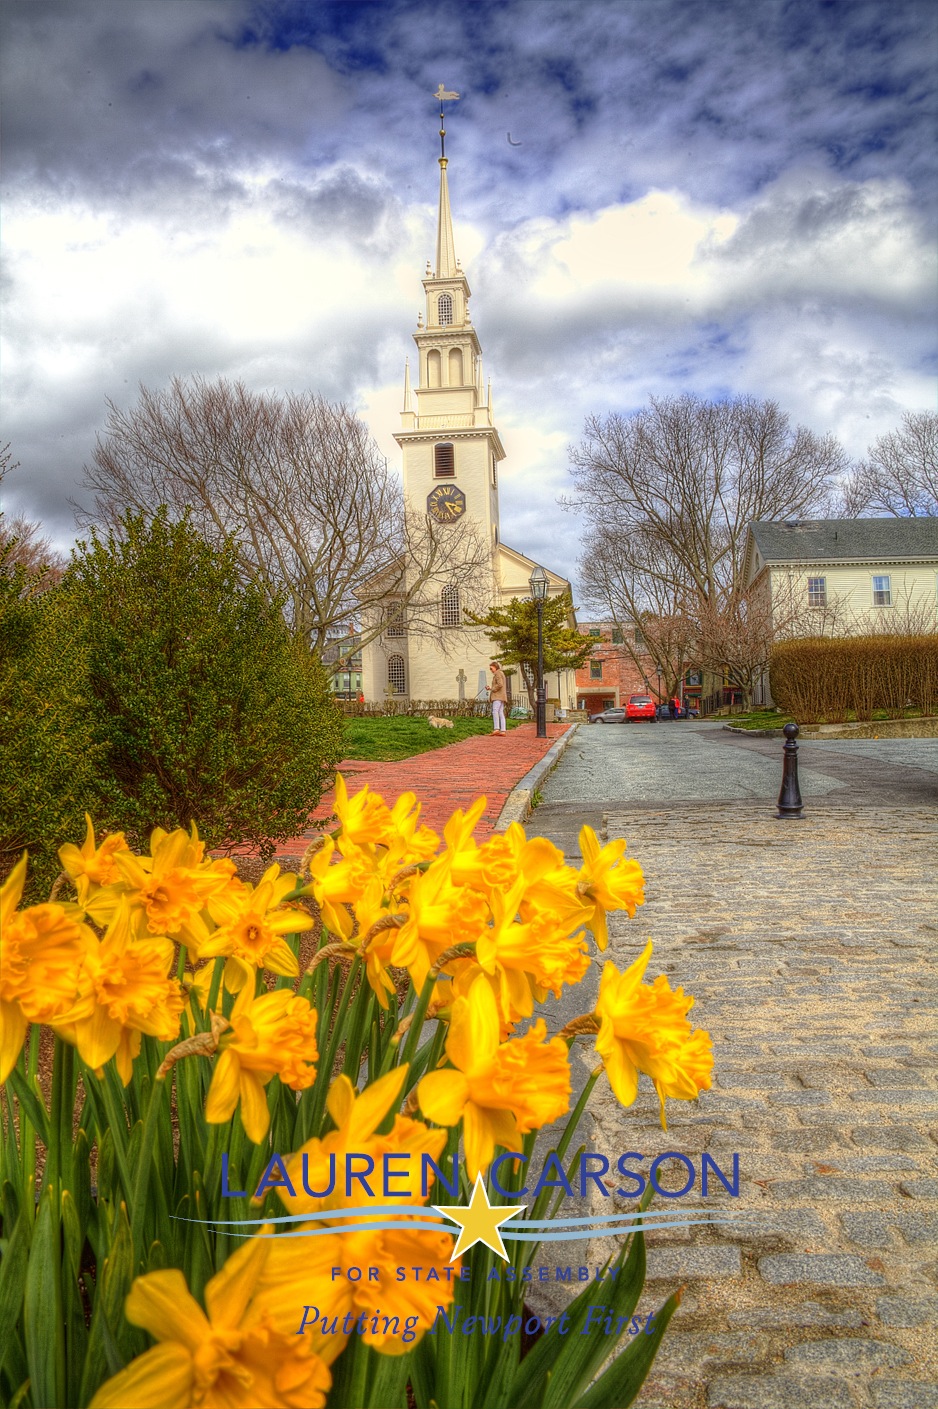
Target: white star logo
point(479, 1221)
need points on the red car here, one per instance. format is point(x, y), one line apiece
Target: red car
point(641, 707)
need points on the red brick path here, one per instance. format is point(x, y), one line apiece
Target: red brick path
point(445, 779)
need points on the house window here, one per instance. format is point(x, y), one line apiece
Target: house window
point(494, 473)
point(617, 638)
point(596, 670)
point(882, 592)
point(595, 633)
point(449, 606)
point(817, 591)
point(444, 461)
point(396, 624)
point(445, 309)
point(639, 640)
point(396, 678)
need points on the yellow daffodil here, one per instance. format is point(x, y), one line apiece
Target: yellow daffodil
point(459, 829)
point(439, 915)
point(92, 869)
point(499, 863)
point(375, 938)
point(357, 1116)
point(299, 1271)
point(365, 819)
point(418, 841)
point(42, 951)
point(500, 1090)
point(125, 989)
point(252, 923)
point(237, 1356)
point(644, 1027)
point(337, 882)
point(270, 1035)
point(168, 889)
point(607, 882)
point(540, 950)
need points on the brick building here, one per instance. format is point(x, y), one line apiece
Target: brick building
point(611, 675)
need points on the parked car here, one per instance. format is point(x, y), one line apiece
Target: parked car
point(664, 712)
point(641, 707)
point(609, 716)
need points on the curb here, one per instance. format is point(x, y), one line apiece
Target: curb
point(518, 803)
point(756, 733)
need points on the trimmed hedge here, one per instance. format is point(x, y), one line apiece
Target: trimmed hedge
point(448, 709)
point(825, 679)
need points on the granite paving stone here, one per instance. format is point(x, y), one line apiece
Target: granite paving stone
point(810, 949)
point(822, 1269)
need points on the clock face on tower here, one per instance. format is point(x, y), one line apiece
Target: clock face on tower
point(446, 503)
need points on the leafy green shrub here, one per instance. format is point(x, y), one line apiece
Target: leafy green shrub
point(49, 756)
point(824, 678)
point(204, 707)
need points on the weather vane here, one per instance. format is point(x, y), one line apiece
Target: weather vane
point(444, 97)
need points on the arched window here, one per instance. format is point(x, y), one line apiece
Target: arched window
point(444, 306)
point(396, 624)
point(449, 607)
point(434, 374)
point(455, 366)
point(396, 676)
point(444, 460)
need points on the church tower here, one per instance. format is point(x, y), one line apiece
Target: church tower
point(421, 645)
point(451, 448)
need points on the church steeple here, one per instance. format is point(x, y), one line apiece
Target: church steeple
point(447, 433)
point(445, 248)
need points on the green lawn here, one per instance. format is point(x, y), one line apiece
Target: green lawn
point(772, 719)
point(756, 719)
point(388, 738)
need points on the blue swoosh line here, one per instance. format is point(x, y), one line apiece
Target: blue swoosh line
point(505, 1230)
point(405, 1211)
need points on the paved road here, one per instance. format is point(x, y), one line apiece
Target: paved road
point(811, 950)
point(691, 760)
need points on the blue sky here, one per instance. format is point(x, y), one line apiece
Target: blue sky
point(723, 198)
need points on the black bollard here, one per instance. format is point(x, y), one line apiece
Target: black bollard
point(789, 799)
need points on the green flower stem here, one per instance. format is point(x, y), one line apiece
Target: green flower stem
point(118, 1128)
point(413, 1032)
point(216, 984)
point(57, 1116)
point(29, 1140)
point(63, 1078)
point(144, 1166)
point(327, 1057)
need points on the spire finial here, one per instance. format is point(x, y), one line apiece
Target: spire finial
point(445, 253)
point(444, 97)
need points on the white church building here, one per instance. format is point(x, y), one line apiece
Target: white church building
point(452, 455)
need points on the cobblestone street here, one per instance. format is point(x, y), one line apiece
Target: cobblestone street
point(810, 947)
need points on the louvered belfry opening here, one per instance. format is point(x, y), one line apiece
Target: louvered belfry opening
point(444, 460)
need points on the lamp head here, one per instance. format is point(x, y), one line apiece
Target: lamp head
point(538, 584)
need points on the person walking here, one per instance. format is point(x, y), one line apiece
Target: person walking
point(498, 694)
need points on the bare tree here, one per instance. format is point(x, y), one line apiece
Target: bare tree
point(900, 474)
point(667, 493)
point(297, 483)
point(23, 543)
point(657, 619)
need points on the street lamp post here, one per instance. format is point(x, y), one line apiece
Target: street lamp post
point(538, 585)
point(658, 670)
